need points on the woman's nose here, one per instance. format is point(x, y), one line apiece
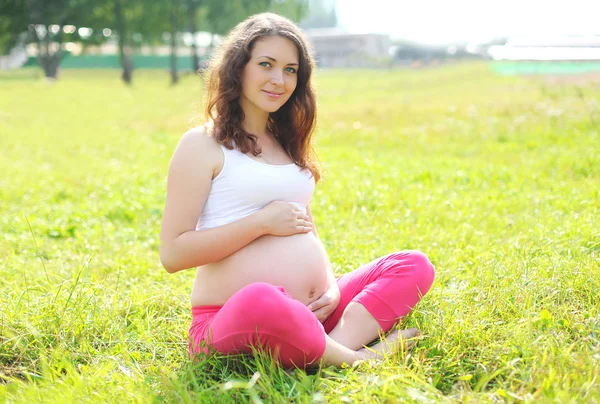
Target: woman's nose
point(277, 78)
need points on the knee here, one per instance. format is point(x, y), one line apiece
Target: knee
point(264, 305)
point(418, 265)
point(423, 269)
point(253, 291)
point(258, 298)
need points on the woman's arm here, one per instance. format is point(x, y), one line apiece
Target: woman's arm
point(188, 186)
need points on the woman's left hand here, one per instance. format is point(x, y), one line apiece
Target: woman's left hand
point(327, 303)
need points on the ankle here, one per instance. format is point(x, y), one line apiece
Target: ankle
point(366, 353)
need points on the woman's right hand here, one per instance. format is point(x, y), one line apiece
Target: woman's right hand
point(281, 218)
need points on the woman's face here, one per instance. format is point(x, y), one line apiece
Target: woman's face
point(270, 76)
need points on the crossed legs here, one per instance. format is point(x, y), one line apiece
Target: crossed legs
point(372, 300)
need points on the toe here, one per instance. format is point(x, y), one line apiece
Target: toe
point(410, 333)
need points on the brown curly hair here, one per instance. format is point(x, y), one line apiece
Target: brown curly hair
point(293, 124)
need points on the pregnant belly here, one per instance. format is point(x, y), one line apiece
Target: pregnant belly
point(298, 263)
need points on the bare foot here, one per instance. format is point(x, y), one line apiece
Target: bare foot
point(394, 341)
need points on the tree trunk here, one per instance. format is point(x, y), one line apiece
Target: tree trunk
point(192, 7)
point(49, 61)
point(174, 21)
point(211, 45)
point(51, 64)
point(124, 50)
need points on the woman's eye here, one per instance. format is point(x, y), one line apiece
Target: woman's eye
point(291, 70)
point(265, 64)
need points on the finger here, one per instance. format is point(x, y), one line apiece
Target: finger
point(303, 229)
point(321, 314)
point(317, 304)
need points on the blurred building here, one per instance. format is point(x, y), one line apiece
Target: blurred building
point(335, 48)
point(548, 48)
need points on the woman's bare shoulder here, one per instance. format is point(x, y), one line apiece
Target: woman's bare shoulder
point(200, 136)
point(200, 141)
point(198, 150)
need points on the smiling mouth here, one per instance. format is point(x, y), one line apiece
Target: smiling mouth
point(268, 92)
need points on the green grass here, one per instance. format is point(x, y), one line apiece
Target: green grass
point(497, 179)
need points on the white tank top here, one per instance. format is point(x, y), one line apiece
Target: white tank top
point(245, 186)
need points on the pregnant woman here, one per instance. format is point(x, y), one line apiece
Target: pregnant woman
point(237, 209)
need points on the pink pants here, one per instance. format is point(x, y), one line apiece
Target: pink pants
point(263, 315)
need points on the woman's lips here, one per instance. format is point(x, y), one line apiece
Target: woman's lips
point(272, 96)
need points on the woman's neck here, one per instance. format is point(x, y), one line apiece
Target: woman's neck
point(255, 119)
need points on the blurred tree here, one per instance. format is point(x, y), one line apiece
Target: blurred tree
point(125, 53)
point(295, 10)
point(138, 23)
point(192, 11)
point(174, 9)
point(133, 22)
point(13, 22)
point(321, 14)
point(223, 15)
point(48, 23)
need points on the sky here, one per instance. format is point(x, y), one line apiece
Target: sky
point(447, 21)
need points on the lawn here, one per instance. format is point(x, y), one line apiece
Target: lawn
point(496, 178)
